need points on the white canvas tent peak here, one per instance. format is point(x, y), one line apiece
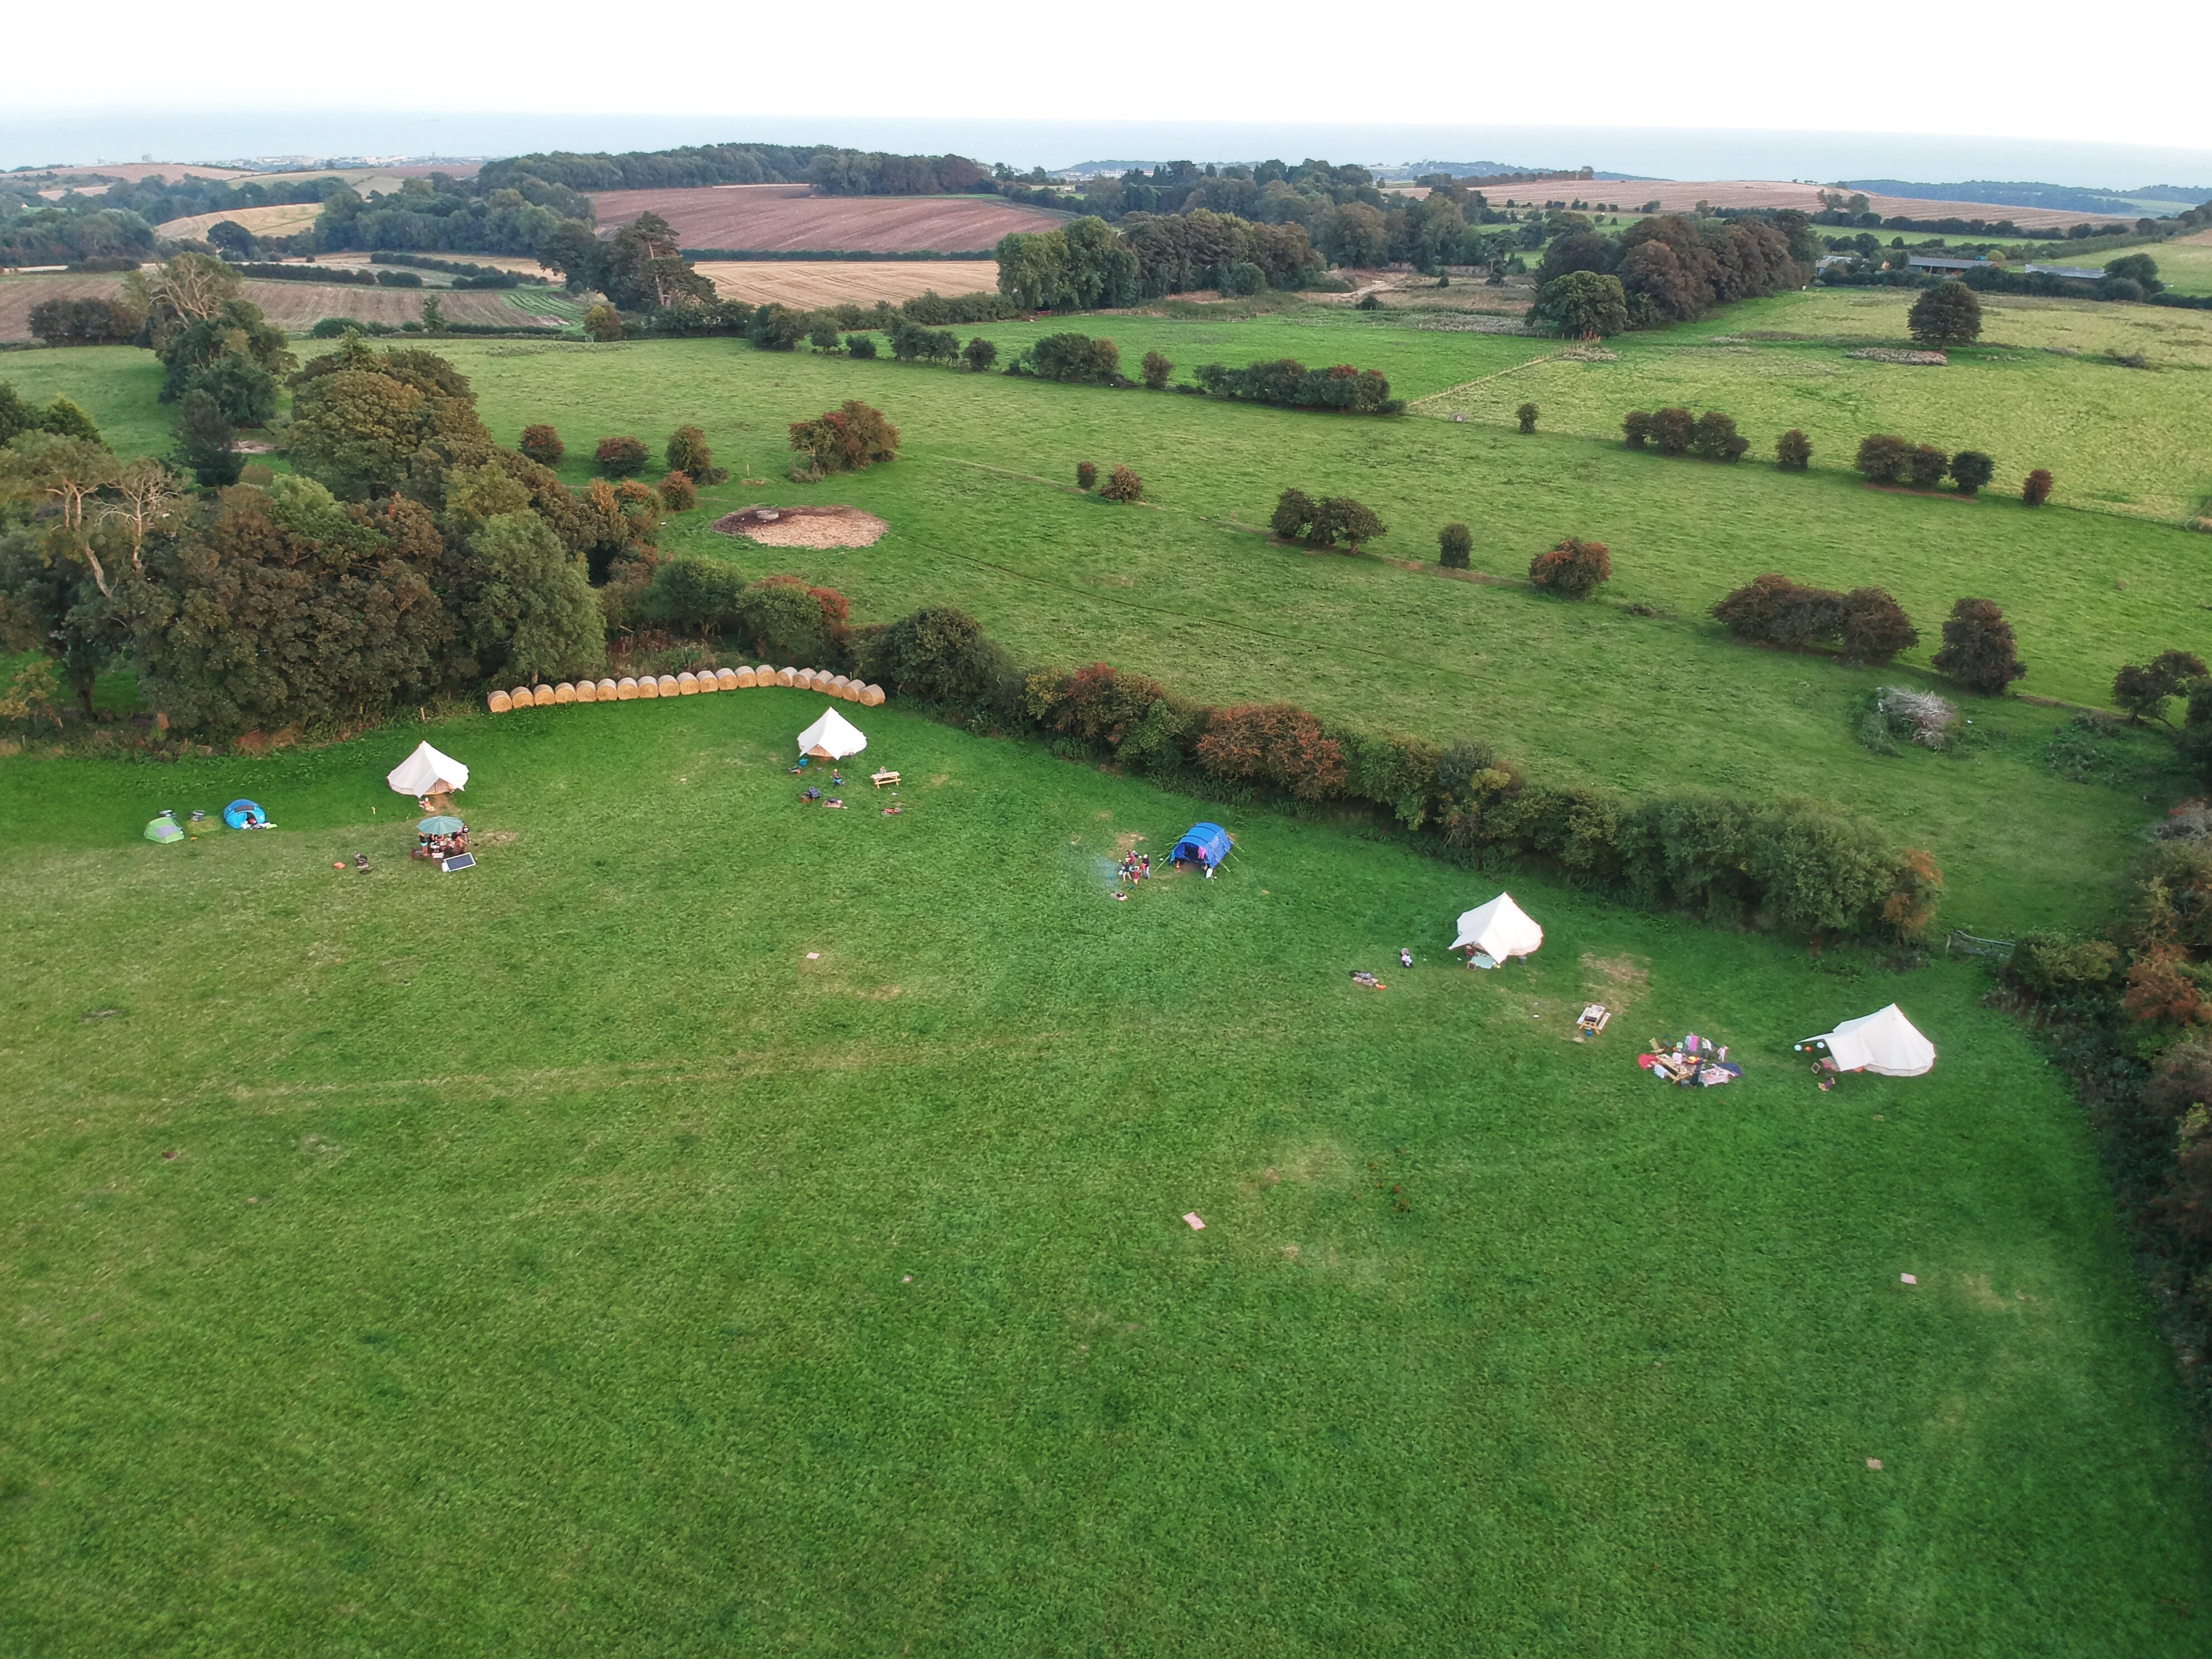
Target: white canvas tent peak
point(427, 772)
point(831, 738)
point(1885, 1042)
point(1499, 929)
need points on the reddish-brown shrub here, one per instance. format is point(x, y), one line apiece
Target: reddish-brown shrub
point(543, 445)
point(1574, 569)
point(1277, 745)
point(620, 457)
point(1100, 703)
point(1122, 484)
point(1086, 475)
point(850, 438)
point(2036, 489)
point(678, 494)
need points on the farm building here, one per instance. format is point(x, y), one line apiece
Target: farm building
point(1932, 262)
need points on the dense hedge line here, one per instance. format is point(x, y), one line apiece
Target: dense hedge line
point(1797, 865)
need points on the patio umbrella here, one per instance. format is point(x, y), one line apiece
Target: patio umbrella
point(441, 825)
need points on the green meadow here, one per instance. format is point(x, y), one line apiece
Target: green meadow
point(721, 1224)
point(717, 1224)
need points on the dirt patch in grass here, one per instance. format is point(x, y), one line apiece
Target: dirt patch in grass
point(803, 526)
point(1619, 982)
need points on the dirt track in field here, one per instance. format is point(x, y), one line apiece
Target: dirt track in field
point(805, 284)
point(295, 306)
point(746, 216)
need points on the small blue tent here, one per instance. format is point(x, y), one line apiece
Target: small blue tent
point(1204, 843)
point(241, 813)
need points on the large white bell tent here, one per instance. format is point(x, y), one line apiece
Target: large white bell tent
point(427, 772)
point(1886, 1044)
point(1497, 930)
point(831, 738)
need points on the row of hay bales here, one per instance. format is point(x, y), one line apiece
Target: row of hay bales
point(684, 685)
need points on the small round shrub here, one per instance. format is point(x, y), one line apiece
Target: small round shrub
point(1971, 469)
point(688, 452)
point(2036, 489)
point(602, 322)
point(862, 346)
point(1086, 475)
point(678, 494)
point(1455, 546)
point(1527, 415)
point(1369, 301)
point(1574, 569)
point(1928, 466)
point(1156, 369)
point(1122, 485)
point(1635, 427)
point(1979, 651)
point(620, 457)
point(543, 445)
point(1793, 451)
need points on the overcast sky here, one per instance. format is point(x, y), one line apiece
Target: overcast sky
point(1975, 69)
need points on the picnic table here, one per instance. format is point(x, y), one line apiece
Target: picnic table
point(879, 778)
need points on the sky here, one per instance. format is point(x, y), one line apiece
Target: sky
point(2003, 88)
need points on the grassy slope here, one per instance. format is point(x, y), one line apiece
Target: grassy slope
point(1179, 594)
point(531, 1274)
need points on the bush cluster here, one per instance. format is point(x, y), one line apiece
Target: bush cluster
point(1324, 523)
point(1865, 624)
point(1287, 383)
point(618, 457)
point(850, 438)
point(1712, 436)
point(1888, 459)
point(1122, 484)
point(1791, 865)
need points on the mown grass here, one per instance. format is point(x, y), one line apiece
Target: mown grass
point(559, 1257)
point(1644, 702)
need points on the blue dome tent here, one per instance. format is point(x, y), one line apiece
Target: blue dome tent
point(1202, 843)
point(241, 814)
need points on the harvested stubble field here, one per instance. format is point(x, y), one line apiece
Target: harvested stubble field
point(1674, 196)
point(280, 221)
point(738, 217)
point(806, 283)
point(389, 1274)
point(295, 306)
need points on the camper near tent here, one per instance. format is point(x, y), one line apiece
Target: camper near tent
point(1203, 844)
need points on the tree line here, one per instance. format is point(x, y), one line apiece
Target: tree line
point(1666, 268)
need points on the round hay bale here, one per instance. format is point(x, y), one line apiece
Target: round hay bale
point(745, 679)
point(838, 683)
point(726, 679)
point(873, 697)
point(609, 691)
point(520, 696)
point(588, 691)
point(786, 677)
point(625, 688)
point(686, 684)
point(501, 703)
point(709, 680)
point(647, 686)
point(565, 692)
point(669, 688)
point(543, 696)
point(764, 675)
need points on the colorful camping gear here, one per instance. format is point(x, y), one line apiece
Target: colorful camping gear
point(165, 828)
point(239, 812)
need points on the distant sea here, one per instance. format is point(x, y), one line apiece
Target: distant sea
point(129, 134)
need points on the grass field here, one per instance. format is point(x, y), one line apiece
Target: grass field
point(1644, 702)
point(295, 306)
point(718, 1225)
point(743, 217)
point(807, 283)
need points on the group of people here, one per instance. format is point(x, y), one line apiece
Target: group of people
point(1691, 1062)
point(1136, 867)
point(440, 847)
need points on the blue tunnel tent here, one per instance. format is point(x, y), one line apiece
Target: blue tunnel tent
point(1202, 843)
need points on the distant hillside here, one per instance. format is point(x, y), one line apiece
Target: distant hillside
point(2057, 198)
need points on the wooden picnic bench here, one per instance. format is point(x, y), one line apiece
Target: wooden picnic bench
point(879, 778)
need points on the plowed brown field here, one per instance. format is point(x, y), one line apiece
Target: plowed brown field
point(745, 216)
point(806, 284)
point(292, 306)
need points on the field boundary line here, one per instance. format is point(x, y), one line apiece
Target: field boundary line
point(1469, 386)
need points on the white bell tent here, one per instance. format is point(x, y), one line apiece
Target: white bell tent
point(1499, 929)
point(831, 738)
point(427, 772)
point(1886, 1044)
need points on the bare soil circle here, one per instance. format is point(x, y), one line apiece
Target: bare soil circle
point(803, 526)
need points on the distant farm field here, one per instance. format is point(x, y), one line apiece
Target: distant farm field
point(806, 283)
point(297, 306)
point(1678, 196)
point(738, 217)
point(282, 221)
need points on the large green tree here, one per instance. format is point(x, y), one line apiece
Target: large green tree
point(1948, 314)
point(358, 416)
point(534, 615)
point(1579, 306)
